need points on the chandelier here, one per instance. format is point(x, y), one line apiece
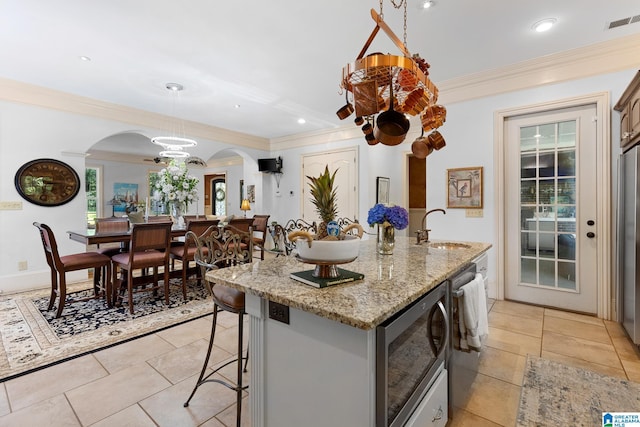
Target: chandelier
point(392, 87)
point(173, 145)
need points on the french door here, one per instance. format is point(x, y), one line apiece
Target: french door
point(551, 192)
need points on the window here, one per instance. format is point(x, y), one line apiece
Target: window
point(92, 186)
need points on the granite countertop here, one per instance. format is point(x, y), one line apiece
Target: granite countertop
point(391, 281)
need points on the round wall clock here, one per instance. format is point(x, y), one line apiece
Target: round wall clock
point(47, 182)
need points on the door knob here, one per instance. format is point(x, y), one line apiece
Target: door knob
point(591, 235)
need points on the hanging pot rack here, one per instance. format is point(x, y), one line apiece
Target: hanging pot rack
point(369, 79)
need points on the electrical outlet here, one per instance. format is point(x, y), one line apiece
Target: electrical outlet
point(11, 206)
point(22, 265)
point(279, 312)
point(474, 213)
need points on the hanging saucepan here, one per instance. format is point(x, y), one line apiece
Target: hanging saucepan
point(345, 111)
point(421, 148)
point(391, 126)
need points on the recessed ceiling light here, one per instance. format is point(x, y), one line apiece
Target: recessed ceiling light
point(84, 58)
point(543, 25)
point(301, 121)
point(426, 4)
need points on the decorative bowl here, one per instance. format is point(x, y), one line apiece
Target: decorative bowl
point(328, 251)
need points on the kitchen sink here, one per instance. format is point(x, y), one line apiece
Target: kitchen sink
point(448, 245)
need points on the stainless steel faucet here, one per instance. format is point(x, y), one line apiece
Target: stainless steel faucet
point(423, 234)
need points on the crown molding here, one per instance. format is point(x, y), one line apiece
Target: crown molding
point(24, 93)
point(601, 58)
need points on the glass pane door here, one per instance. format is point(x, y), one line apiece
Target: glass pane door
point(548, 205)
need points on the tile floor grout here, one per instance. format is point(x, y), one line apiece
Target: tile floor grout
point(470, 415)
point(173, 359)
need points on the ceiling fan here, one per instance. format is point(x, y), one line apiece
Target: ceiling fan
point(191, 160)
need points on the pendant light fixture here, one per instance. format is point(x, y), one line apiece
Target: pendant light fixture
point(174, 143)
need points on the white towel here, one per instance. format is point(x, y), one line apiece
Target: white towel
point(472, 312)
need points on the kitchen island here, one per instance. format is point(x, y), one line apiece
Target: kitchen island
point(319, 368)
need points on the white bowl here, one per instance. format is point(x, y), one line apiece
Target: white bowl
point(329, 250)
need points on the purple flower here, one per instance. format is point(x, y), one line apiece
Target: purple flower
point(397, 216)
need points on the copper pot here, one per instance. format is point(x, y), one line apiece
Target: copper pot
point(367, 129)
point(347, 110)
point(421, 147)
point(371, 140)
point(391, 126)
point(436, 140)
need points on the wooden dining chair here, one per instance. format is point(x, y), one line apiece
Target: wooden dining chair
point(112, 224)
point(185, 252)
point(222, 247)
point(60, 265)
point(259, 225)
point(148, 248)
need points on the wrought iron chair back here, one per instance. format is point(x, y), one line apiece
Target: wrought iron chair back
point(220, 247)
point(297, 225)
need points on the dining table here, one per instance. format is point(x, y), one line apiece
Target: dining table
point(89, 236)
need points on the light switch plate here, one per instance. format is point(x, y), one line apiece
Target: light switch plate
point(11, 206)
point(474, 213)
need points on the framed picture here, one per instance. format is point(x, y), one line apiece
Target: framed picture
point(382, 190)
point(251, 193)
point(47, 182)
point(464, 188)
point(127, 194)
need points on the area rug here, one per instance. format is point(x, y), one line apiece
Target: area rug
point(554, 394)
point(31, 337)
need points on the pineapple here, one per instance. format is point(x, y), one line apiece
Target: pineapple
point(323, 197)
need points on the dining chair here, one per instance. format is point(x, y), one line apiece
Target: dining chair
point(185, 252)
point(112, 224)
point(148, 248)
point(222, 247)
point(60, 265)
point(259, 224)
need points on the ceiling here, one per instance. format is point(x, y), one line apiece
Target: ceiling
point(278, 60)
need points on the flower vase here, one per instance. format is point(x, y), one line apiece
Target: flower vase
point(177, 213)
point(386, 239)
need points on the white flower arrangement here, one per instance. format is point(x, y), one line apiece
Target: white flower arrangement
point(176, 185)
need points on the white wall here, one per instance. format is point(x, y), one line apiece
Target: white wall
point(28, 132)
point(469, 134)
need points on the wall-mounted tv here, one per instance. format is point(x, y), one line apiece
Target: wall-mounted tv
point(270, 165)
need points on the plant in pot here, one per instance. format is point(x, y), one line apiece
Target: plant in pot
point(331, 245)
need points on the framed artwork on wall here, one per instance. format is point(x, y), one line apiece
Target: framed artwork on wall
point(382, 190)
point(127, 194)
point(251, 193)
point(464, 188)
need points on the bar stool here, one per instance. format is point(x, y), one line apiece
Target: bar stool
point(220, 247)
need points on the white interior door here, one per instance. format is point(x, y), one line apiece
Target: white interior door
point(346, 182)
point(551, 253)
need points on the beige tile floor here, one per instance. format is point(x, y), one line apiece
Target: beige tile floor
point(516, 330)
point(145, 382)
